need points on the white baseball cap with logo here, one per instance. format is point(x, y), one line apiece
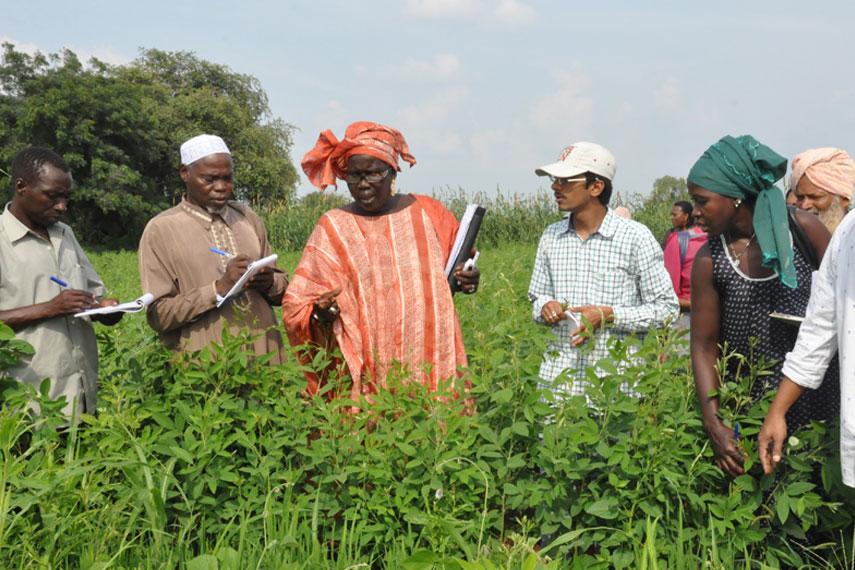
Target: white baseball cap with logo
point(579, 158)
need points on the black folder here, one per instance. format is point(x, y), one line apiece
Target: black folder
point(470, 228)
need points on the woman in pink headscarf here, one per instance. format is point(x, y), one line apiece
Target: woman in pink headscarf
point(371, 280)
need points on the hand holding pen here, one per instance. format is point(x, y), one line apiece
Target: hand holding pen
point(69, 301)
point(237, 265)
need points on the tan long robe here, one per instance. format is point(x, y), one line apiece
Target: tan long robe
point(178, 268)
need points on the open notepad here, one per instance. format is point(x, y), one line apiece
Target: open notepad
point(572, 319)
point(134, 306)
point(250, 272)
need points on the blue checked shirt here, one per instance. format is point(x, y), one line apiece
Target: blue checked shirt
point(621, 266)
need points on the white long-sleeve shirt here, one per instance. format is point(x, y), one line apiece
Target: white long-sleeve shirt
point(829, 326)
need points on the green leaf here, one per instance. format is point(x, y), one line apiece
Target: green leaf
point(799, 488)
point(421, 560)
point(203, 562)
point(782, 507)
point(604, 508)
point(229, 559)
point(502, 396)
point(563, 539)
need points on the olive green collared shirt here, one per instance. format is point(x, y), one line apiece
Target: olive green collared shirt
point(65, 347)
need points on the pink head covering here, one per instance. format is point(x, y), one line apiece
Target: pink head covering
point(830, 169)
point(328, 160)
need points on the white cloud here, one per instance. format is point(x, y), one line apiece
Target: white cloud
point(484, 143)
point(513, 13)
point(443, 142)
point(437, 108)
point(504, 12)
point(26, 47)
point(568, 105)
point(430, 122)
point(667, 95)
point(441, 9)
point(103, 53)
point(332, 113)
point(439, 67)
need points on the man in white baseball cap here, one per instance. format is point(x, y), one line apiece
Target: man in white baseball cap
point(593, 269)
point(192, 254)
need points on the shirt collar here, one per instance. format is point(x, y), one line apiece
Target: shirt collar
point(16, 230)
point(229, 214)
point(607, 228)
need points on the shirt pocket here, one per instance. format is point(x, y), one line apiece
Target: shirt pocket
point(613, 287)
point(78, 275)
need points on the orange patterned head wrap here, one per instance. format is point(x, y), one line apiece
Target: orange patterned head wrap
point(328, 160)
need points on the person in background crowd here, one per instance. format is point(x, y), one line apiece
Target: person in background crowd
point(827, 328)
point(681, 247)
point(822, 181)
point(46, 278)
point(791, 198)
point(371, 281)
point(623, 212)
point(746, 271)
point(179, 267)
point(681, 219)
point(593, 265)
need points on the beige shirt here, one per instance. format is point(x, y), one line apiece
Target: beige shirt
point(65, 347)
point(178, 268)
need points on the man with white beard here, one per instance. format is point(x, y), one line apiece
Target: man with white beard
point(822, 181)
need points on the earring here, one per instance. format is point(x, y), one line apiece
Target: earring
point(392, 189)
point(737, 202)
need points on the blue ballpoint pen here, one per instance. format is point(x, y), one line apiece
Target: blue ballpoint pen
point(58, 281)
point(220, 252)
point(736, 431)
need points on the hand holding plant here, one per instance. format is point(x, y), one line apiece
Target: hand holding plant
point(592, 318)
point(771, 440)
point(553, 312)
point(728, 456)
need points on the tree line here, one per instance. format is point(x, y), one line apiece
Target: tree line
point(119, 128)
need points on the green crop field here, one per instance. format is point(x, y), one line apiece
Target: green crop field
point(224, 463)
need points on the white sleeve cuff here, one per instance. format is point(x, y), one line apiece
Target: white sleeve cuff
point(805, 376)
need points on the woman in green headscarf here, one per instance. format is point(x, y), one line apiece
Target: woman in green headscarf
point(747, 270)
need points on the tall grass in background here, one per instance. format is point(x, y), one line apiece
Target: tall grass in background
point(289, 224)
point(513, 218)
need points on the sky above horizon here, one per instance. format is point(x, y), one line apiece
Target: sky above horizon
point(485, 91)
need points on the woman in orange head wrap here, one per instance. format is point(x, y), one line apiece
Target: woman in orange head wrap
point(371, 279)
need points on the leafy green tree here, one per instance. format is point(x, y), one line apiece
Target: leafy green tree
point(120, 127)
point(654, 210)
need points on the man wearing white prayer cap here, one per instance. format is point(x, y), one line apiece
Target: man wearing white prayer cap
point(191, 255)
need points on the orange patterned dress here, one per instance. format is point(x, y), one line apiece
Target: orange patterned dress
point(395, 302)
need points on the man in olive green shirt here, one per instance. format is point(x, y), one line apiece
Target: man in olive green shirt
point(34, 248)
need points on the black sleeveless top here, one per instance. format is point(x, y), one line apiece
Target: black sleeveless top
point(747, 329)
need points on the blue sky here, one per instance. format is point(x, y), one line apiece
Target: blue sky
point(487, 90)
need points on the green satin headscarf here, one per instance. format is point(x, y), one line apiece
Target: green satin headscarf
point(742, 167)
